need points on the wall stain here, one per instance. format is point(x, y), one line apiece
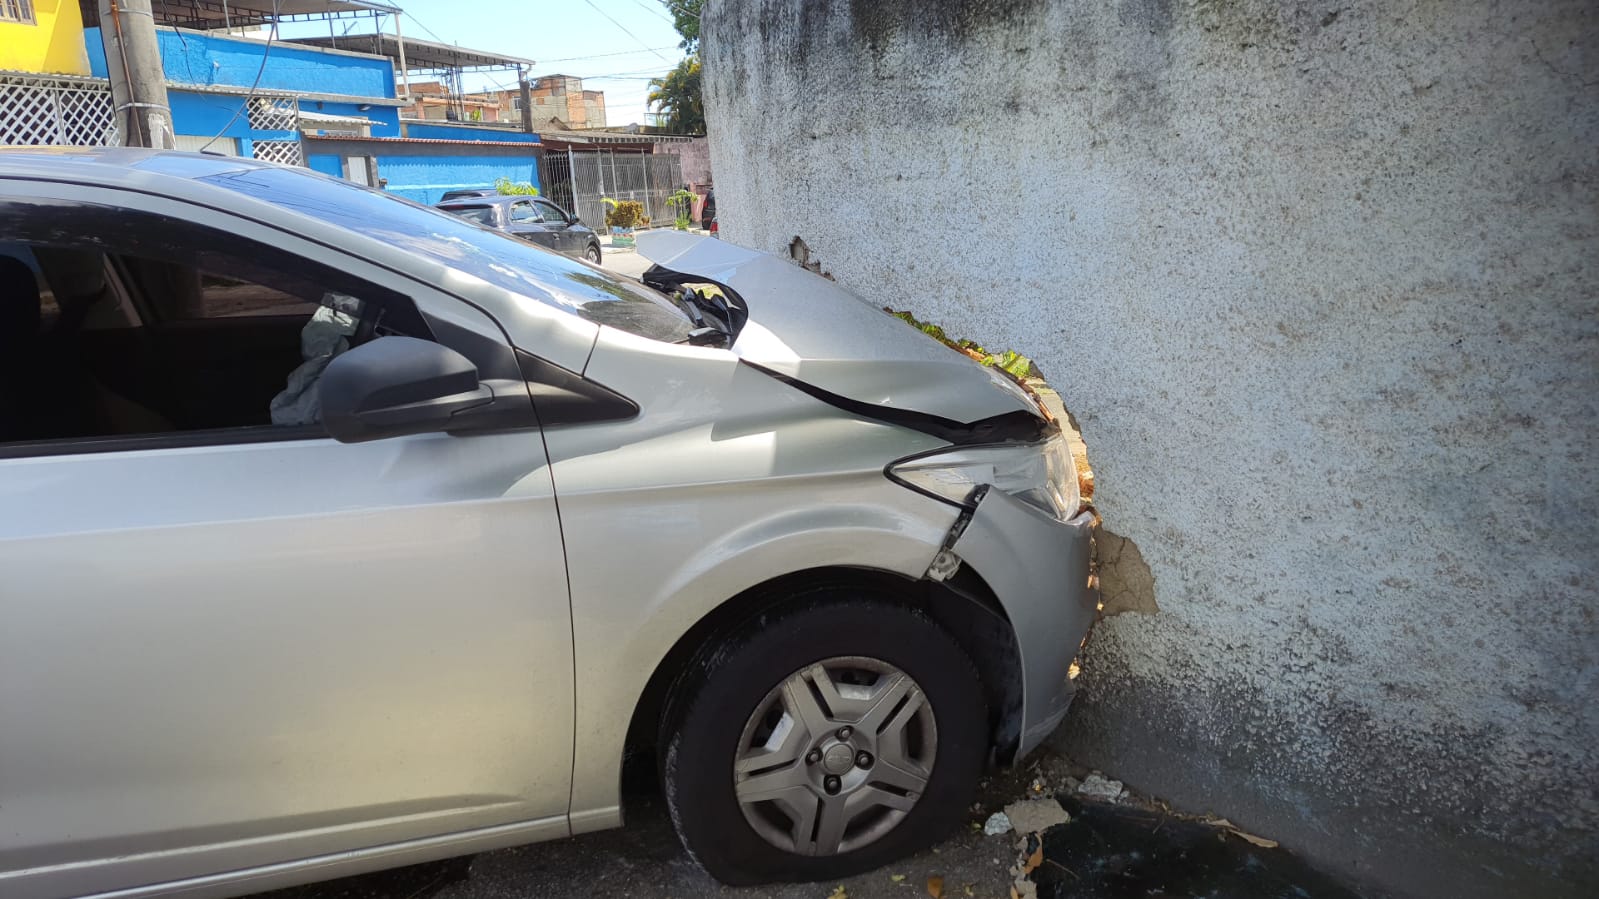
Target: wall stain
point(1125, 582)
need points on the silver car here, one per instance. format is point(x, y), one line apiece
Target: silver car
point(339, 534)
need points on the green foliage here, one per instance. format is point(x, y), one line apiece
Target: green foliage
point(686, 19)
point(679, 98)
point(1010, 362)
point(515, 188)
point(624, 213)
point(682, 202)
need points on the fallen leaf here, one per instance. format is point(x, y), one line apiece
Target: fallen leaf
point(897, 878)
point(1262, 842)
point(1034, 860)
point(935, 887)
point(967, 889)
point(838, 893)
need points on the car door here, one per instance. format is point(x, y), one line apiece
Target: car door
point(526, 221)
point(560, 225)
point(246, 646)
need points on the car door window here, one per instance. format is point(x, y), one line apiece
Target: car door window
point(524, 213)
point(550, 214)
point(118, 325)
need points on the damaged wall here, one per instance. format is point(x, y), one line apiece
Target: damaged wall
point(1317, 280)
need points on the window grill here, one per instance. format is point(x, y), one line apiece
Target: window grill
point(55, 111)
point(274, 114)
point(284, 151)
point(17, 11)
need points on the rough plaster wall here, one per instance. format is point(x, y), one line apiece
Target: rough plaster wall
point(695, 157)
point(1318, 281)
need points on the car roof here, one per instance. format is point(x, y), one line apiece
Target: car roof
point(115, 163)
point(213, 182)
point(495, 200)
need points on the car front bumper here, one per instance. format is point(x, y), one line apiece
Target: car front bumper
point(1038, 568)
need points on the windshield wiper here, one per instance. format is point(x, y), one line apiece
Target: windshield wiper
point(722, 309)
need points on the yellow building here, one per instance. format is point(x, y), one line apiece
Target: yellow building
point(44, 36)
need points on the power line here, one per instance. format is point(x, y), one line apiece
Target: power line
point(623, 28)
point(603, 55)
point(656, 9)
point(423, 26)
point(261, 70)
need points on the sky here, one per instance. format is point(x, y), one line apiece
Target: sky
point(615, 45)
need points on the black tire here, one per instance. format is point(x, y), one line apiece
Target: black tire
point(592, 254)
point(702, 732)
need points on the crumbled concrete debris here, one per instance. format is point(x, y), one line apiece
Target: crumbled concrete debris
point(1035, 815)
point(1098, 786)
point(996, 824)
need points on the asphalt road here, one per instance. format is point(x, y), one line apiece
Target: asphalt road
point(645, 859)
point(1132, 848)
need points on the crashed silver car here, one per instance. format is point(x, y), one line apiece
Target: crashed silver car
point(341, 534)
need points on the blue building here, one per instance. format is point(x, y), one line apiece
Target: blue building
point(330, 108)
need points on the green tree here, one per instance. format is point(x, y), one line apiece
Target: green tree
point(686, 19)
point(678, 98)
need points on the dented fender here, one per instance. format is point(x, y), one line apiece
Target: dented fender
point(1038, 568)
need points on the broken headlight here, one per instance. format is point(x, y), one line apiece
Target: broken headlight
point(1041, 474)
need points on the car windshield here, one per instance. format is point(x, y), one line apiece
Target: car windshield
point(483, 215)
point(495, 257)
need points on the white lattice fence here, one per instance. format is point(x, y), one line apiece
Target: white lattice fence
point(284, 151)
point(274, 114)
point(49, 110)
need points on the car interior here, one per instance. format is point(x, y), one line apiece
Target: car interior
point(102, 344)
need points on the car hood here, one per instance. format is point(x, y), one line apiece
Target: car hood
point(810, 329)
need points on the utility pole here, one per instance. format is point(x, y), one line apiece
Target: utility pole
point(138, 85)
point(527, 99)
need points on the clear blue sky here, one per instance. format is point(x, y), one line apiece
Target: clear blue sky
point(607, 42)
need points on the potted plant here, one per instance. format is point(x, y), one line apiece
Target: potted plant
point(622, 216)
point(682, 202)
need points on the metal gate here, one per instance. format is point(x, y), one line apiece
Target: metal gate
point(579, 180)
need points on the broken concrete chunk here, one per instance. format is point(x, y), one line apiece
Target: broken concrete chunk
point(996, 824)
point(1035, 815)
point(1098, 786)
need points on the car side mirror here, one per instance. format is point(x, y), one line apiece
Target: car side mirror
point(395, 386)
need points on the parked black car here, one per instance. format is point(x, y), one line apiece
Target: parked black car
point(533, 219)
point(467, 192)
point(708, 212)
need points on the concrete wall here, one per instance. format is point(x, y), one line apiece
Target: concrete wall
point(51, 43)
point(459, 131)
point(695, 157)
point(422, 171)
point(1318, 281)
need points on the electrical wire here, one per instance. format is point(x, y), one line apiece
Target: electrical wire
point(656, 9)
point(619, 25)
point(604, 55)
point(249, 97)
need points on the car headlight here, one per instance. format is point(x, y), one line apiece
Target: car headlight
point(1041, 474)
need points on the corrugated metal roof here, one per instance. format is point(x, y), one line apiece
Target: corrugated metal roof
point(426, 56)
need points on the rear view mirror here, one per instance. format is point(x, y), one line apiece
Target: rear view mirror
point(395, 386)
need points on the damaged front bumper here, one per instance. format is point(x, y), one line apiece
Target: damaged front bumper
point(1038, 568)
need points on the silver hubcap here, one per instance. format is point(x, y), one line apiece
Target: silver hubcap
point(835, 756)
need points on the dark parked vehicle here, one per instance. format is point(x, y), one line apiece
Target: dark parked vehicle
point(469, 193)
point(708, 212)
point(533, 219)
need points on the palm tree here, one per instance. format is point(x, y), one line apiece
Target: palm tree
point(678, 97)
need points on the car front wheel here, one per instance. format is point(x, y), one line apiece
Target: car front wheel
point(823, 741)
point(592, 254)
